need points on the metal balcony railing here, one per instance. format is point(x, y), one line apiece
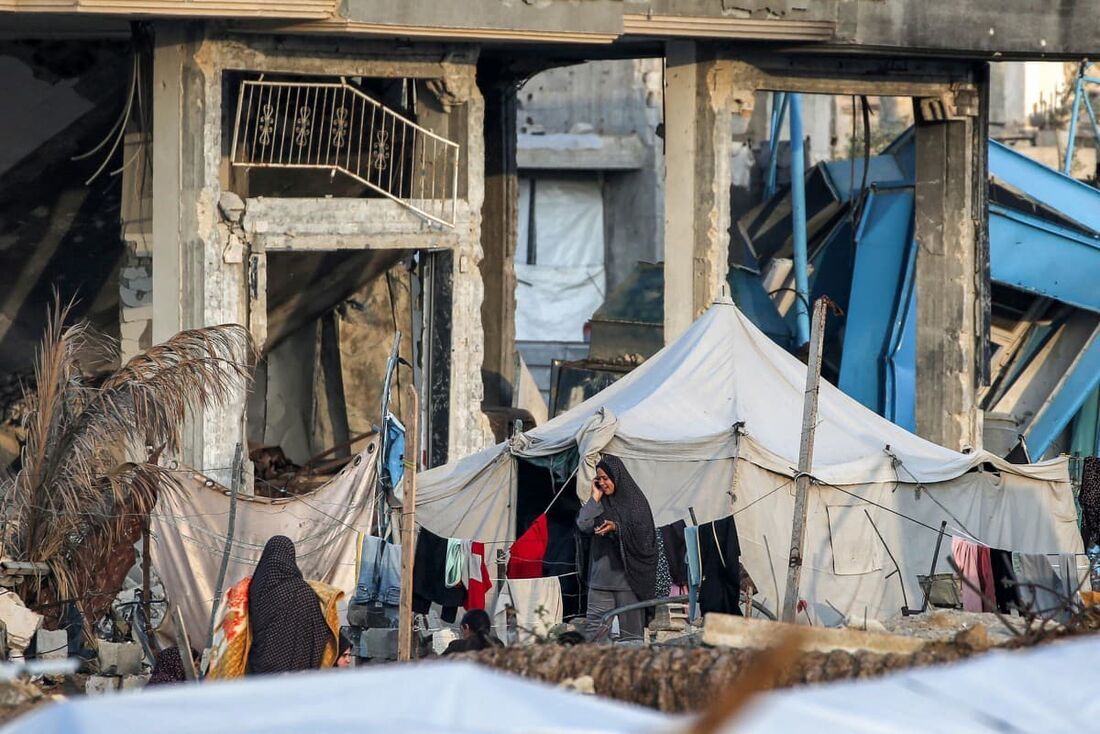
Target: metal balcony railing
point(336, 127)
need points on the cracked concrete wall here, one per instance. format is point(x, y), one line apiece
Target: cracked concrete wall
point(469, 428)
point(200, 274)
point(195, 283)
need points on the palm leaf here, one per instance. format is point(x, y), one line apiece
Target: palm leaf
point(89, 465)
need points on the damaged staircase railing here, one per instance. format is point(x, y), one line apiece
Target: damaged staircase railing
point(336, 127)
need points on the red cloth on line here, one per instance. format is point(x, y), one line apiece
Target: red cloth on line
point(525, 560)
point(476, 591)
point(976, 563)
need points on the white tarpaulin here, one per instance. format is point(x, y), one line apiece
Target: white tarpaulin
point(1044, 689)
point(724, 395)
point(558, 289)
point(448, 698)
point(189, 530)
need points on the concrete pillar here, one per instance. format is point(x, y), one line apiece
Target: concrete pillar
point(499, 214)
point(949, 191)
point(196, 280)
point(701, 97)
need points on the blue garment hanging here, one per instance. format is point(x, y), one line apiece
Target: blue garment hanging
point(695, 567)
point(393, 452)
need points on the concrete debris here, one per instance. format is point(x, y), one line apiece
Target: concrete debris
point(132, 682)
point(15, 693)
point(119, 658)
point(945, 625)
point(725, 630)
point(99, 685)
point(231, 207)
point(52, 644)
point(21, 623)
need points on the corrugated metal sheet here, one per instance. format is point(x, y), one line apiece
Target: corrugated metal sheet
point(298, 9)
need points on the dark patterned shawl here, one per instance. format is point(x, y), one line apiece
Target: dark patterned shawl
point(289, 631)
point(628, 508)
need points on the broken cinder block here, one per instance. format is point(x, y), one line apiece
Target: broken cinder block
point(119, 658)
point(52, 644)
point(99, 685)
point(132, 682)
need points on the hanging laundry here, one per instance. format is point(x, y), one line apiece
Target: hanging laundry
point(720, 559)
point(694, 562)
point(393, 451)
point(561, 561)
point(429, 577)
point(480, 580)
point(379, 573)
point(1090, 501)
point(456, 567)
point(975, 562)
point(664, 579)
point(527, 553)
point(1004, 580)
point(536, 606)
point(676, 551)
point(1039, 587)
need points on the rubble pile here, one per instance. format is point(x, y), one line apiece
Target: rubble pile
point(680, 679)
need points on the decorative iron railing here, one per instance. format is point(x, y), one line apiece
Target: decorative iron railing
point(336, 127)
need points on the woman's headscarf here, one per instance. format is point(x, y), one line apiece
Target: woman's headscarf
point(168, 667)
point(289, 631)
point(628, 508)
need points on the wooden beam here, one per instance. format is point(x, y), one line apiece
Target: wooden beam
point(805, 460)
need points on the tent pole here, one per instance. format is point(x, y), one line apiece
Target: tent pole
point(408, 528)
point(805, 460)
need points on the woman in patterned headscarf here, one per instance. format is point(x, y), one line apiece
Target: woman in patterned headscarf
point(623, 552)
point(168, 667)
point(289, 631)
point(275, 621)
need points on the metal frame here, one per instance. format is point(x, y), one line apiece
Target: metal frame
point(333, 126)
point(1079, 97)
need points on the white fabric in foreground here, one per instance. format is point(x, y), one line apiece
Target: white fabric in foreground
point(189, 528)
point(1044, 689)
point(449, 697)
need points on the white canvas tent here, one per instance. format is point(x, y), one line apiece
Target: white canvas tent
point(713, 422)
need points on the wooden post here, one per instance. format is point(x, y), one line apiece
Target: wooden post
point(805, 460)
point(408, 525)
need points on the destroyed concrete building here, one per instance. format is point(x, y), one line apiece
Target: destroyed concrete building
point(330, 173)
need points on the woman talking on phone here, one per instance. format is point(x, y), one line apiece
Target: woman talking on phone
point(623, 550)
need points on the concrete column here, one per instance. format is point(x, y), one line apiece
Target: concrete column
point(949, 271)
point(499, 214)
point(197, 281)
point(701, 97)
point(469, 428)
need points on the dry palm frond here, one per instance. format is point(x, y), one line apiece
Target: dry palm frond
point(81, 480)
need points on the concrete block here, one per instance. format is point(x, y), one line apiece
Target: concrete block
point(52, 644)
point(133, 682)
point(99, 685)
point(119, 658)
point(378, 644)
point(231, 206)
point(726, 630)
point(138, 313)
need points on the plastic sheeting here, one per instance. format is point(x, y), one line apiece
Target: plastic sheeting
point(1049, 689)
point(447, 697)
point(560, 290)
point(189, 529)
point(724, 394)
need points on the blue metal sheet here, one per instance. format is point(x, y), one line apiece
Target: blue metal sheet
point(878, 307)
point(846, 176)
point(1067, 398)
point(1075, 200)
point(1040, 257)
